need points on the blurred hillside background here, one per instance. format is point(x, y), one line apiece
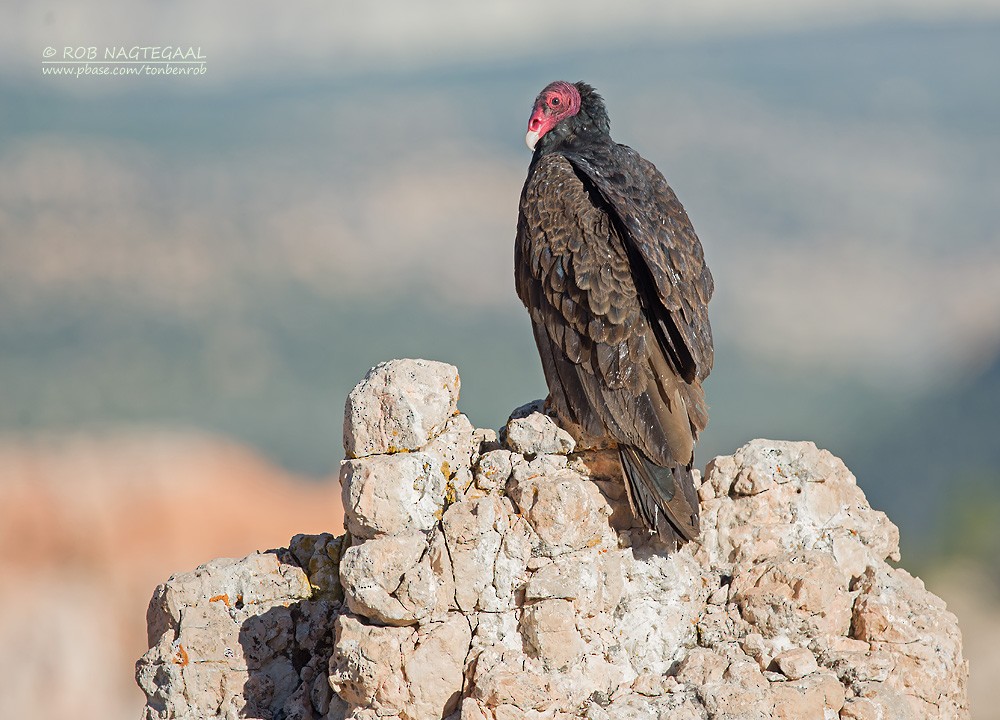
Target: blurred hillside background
point(194, 271)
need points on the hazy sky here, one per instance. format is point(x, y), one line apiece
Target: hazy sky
point(252, 41)
point(839, 212)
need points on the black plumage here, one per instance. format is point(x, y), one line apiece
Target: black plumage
point(615, 282)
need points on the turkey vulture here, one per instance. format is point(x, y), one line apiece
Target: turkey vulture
point(614, 279)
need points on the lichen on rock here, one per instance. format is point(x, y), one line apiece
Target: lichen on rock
point(489, 581)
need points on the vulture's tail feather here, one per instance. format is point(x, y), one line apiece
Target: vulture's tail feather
point(663, 497)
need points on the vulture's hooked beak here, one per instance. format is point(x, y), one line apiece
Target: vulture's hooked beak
point(538, 125)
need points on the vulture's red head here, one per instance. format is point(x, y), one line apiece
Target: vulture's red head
point(567, 113)
point(558, 101)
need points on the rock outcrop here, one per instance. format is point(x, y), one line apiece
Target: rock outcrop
point(496, 580)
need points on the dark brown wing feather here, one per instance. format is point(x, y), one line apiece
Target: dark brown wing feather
point(657, 229)
point(622, 349)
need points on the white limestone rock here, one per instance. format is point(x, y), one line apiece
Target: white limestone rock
point(388, 494)
point(489, 583)
point(489, 547)
point(812, 502)
point(223, 638)
point(550, 633)
point(383, 579)
point(493, 470)
point(399, 406)
point(796, 663)
point(538, 433)
point(564, 510)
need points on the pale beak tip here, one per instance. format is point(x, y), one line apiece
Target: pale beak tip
point(531, 139)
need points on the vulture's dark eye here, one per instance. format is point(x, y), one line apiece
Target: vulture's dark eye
point(554, 101)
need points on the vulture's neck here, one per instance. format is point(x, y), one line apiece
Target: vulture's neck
point(575, 138)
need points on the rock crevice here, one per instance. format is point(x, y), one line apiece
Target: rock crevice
point(489, 580)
